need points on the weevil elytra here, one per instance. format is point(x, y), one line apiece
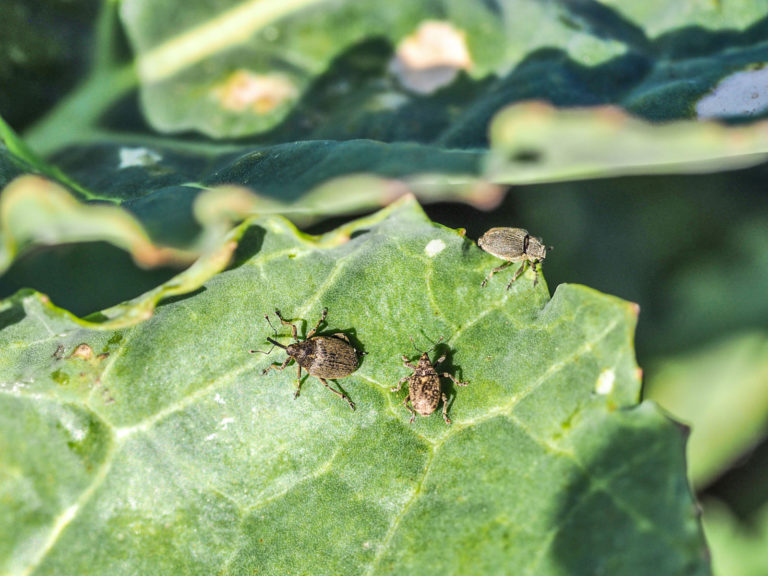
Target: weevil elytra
point(424, 391)
point(321, 356)
point(513, 245)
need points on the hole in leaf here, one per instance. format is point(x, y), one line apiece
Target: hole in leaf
point(526, 156)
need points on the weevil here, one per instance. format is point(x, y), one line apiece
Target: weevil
point(424, 391)
point(513, 245)
point(321, 356)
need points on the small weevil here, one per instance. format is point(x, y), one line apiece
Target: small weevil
point(513, 245)
point(321, 356)
point(424, 391)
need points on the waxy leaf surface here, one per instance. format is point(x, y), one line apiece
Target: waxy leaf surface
point(160, 448)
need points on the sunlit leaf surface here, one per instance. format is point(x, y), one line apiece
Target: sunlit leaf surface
point(162, 449)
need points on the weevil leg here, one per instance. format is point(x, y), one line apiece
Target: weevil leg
point(445, 409)
point(276, 366)
point(534, 265)
point(399, 384)
point(446, 375)
point(411, 410)
point(520, 270)
point(407, 363)
point(285, 322)
point(497, 269)
point(298, 382)
point(338, 393)
point(322, 319)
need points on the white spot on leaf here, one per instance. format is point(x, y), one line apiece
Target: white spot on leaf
point(744, 93)
point(218, 399)
point(74, 427)
point(130, 157)
point(226, 422)
point(431, 57)
point(605, 382)
point(434, 247)
point(389, 101)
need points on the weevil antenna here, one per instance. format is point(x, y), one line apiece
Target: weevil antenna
point(427, 351)
point(435, 344)
point(274, 343)
point(266, 317)
point(267, 353)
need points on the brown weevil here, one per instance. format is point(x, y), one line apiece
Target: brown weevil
point(424, 391)
point(513, 245)
point(321, 356)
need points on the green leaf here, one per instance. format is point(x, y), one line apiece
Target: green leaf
point(705, 389)
point(658, 16)
point(341, 56)
point(161, 449)
point(237, 68)
point(35, 211)
point(737, 549)
point(533, 143)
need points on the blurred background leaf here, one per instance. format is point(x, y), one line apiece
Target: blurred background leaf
point(738, 548)
point(706, 390)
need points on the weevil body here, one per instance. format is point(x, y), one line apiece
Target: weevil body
point(321, 356)
point(424, 390)
point(513, 245)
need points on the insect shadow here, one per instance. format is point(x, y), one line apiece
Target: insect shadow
point(466, 245)
point(442, 349)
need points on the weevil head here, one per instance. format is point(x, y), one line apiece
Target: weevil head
point(424, 361)
point(536, 249)
point(302, 352)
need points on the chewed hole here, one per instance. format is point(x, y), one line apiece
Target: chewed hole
point(526, 156)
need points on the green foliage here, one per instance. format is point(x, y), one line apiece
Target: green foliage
point(161, 448)
point(737, 549)
point(699, 389)
point(342, 89)
point(146, 150)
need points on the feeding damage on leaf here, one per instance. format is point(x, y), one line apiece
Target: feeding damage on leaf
point(245, 91)
point(431, 57)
